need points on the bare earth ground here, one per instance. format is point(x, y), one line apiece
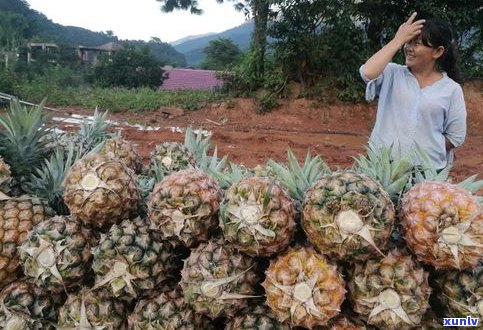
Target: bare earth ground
point(337, 132)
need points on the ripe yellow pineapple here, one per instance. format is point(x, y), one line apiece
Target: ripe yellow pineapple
point(184, 206)
point(303, 288)
point(101, 191)
point(391, 293)
point(217, 280)
point(257, 216)
point(17, 217)
point(443, 225)
point(348, 216)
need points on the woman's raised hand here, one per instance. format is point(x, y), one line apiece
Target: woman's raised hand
point(409, 29)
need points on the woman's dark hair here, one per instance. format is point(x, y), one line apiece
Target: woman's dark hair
point(436, 33)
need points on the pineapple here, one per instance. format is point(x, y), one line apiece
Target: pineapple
point(257, 216)
point(132, 259)
point(101, 191)
point(57, 253)
point(24, 140)
point(184, 206)
point(443, 225)
point(461, 292)
point(167, 310)
point(343, 323)
point(298, 179)
point(5, 177)
point(93, 309)
point(121, 149)
point(17, 217)
point(217, 280)
point(171, 157)
point(26, 306)
point(46, 181)
point(303, 288)
point(255, 317)
point(391, 293)
point(91, 134)
point(348, 216)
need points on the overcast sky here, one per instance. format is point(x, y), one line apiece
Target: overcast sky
point(139, 19)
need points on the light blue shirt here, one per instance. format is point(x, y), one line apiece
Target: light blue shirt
point(408, 114)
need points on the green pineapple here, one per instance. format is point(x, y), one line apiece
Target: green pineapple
point(57, 253)
point(131, 259)
point(217, 280)
point(184, 206)
point(93, 309)
point(101, 191)
point(348, 216)
point(255, 317)
point(5, 177)
point(167, 310)
point(26, 306)
point(171, 157)
point(391, 293)
point(257, 216)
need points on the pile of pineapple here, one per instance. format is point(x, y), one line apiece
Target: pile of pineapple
point(92, 238)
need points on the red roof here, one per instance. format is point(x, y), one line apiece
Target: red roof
point(190, 79)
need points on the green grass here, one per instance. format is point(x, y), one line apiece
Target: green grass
point(117, 99)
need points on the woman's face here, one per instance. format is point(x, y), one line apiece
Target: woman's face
point(418, 55)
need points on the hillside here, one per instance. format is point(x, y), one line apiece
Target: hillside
point(192, 49)
point(18, 21)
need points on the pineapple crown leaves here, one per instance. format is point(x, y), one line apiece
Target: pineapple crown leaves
point(427, 171)
point(24, 138)
point(46, 181)
point(393, 174)
point(195, 141)
point(297, 179)
point(94, 131)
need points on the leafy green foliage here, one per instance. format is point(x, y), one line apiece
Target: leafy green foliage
point(221, 54)
point(129, 67)
point(24, 139)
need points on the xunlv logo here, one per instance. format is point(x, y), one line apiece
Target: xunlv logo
point(460, 321)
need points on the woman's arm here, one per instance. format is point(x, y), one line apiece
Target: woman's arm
point(407, 31)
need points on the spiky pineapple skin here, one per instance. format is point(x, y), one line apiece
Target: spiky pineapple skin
point(102, 311)
point(166, 310)
point(398, 273)
point(255, 317)
point(5, 176)
point(347, 191)
point(148, 259)
point(125, 151)
point(171, 157)
point(216, 261)
point(303, 268)
point(17, 217)
point(69, 243)
point(185, 205)
point(23, 303)
point(257, 216)
point(430, 208)
point(461, 292)
point(115, 198)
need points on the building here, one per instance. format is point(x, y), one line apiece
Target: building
point(189, 79)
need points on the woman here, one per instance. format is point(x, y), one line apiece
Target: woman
point(421, 102)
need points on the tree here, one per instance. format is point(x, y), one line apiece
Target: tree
point(130, 67)
point(221, 54)
point(258, 9)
